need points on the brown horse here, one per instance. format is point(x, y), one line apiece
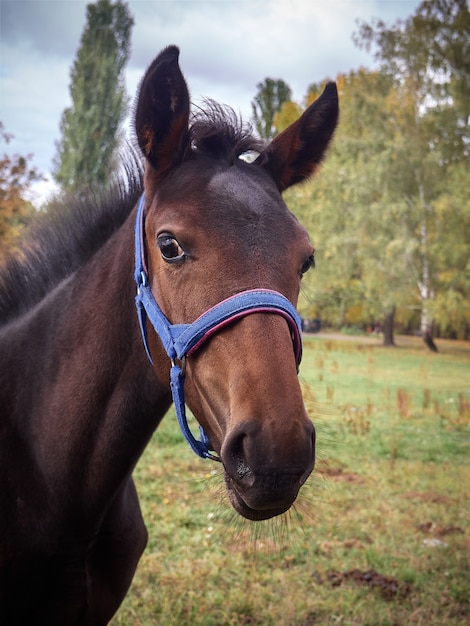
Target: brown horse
point(218, 263)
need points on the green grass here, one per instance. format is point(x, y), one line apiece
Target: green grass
point(380, 534)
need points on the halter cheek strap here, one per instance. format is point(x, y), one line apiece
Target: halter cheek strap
point(182, 340)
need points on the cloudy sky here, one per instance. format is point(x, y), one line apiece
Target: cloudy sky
point(227, 48)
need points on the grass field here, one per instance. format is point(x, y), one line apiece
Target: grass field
point(380, 534)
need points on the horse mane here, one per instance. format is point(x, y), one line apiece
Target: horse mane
point(61, 240)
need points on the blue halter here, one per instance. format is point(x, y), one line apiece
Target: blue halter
point(182, 340)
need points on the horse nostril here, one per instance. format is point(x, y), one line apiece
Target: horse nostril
point(235, 455)
point(247, 454)
point(243, 470)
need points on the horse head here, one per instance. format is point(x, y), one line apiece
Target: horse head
point(216, 226)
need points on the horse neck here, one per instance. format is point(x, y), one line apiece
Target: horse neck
point(94, 400)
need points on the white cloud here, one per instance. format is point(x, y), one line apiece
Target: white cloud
point(49, 26)
point(34, 94)
point(227, 47)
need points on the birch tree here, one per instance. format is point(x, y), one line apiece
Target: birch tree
point(428, 58)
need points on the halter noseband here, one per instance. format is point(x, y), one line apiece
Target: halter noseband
point(182, 340)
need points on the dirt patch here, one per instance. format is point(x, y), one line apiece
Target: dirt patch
point(430, 528)
point(328, 547)
point(388, 587)
point(428, 496)
point(338, 473)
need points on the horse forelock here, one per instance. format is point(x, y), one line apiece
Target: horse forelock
point(217, 131)
point(58, 242)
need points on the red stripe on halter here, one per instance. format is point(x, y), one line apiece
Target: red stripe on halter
point(262, 309)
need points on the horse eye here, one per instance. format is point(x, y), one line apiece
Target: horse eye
point(308, 264)
point(170, 249)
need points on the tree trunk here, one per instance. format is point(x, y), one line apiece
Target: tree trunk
point(428, 340)
point(425, 285)
point(389, 323)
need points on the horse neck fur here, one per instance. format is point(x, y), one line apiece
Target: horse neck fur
point(82, 343)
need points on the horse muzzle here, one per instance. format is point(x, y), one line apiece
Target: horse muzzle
point(262, 479)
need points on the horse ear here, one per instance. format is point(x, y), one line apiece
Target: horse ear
point(162, 113)
point(294, 154)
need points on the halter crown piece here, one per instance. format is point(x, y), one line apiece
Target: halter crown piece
point(182, 340)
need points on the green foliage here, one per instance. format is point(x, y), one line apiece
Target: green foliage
point(427, 58)
point(348, 212)
point(432, 49)
point(389, 211)
point(271, 96)
point(380, 534)
point(16, 177)
point(287, 114)
point(90, 127)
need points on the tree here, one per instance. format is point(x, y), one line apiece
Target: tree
point(354, 219)
point(270, 97)
point(287, 114)
point(90, 127)
point(449, 249)
point(428, 58)
point(389, 212)
point(16, 177)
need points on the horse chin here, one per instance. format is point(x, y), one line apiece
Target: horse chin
point(254, 515)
